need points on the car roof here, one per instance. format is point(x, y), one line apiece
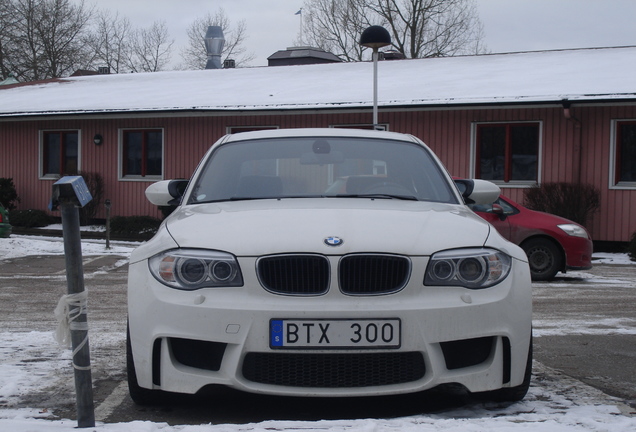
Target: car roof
point(320, 132)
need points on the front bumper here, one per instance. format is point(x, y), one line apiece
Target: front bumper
point(578, 253)
point(5, 230)
point(183, 341)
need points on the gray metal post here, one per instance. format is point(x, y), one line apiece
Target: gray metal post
point(79, 326)
point(375, 88)
point(107, 205)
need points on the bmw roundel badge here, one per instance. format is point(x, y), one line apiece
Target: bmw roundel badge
point(333, 241)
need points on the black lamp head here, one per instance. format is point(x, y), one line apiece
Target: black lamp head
point(375, 37)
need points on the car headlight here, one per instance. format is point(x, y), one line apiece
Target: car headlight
point(190, 269)
point(574, 230)
point(469, 268)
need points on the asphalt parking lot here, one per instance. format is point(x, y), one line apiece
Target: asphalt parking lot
point(584, 325)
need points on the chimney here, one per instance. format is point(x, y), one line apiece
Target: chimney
point(214, 41)
point(229, 64)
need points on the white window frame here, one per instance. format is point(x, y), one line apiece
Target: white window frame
point(120, 156)
point(612, 160)
point(517, 184)
point(41, 133)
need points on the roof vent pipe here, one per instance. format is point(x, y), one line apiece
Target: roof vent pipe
point(214, 41)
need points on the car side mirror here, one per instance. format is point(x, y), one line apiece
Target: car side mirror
point(166, 193)
point(499, 211)
point(478, 191)
point(465, 187)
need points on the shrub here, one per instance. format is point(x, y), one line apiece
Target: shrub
point(95, 184)
point(631, 248)
point(30, 218)
point(577, 202)
point(8, 195)
point(134, 226)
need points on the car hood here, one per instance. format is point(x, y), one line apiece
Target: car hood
point(260, 227)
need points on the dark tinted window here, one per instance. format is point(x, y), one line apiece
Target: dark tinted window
point(60, 151)
point(508, 152)
point(310, 167)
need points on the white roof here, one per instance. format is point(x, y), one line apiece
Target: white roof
point(532, 77)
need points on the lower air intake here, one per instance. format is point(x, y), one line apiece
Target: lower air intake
point(334, 370)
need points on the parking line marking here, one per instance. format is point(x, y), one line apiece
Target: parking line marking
point(84, 262)
point(114, 399)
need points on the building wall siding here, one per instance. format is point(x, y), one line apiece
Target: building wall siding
point(447, 132)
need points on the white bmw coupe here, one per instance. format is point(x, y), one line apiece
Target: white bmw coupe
point(326, 262)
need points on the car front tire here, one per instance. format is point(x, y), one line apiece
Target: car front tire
point(544, 257)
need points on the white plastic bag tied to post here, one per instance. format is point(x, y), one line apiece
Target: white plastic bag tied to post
point(68, 310)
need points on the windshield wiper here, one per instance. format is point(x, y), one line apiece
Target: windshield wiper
point(239, 198)
point(379, 196)
point(278, 197)
point(372, 196)
point(231, 199)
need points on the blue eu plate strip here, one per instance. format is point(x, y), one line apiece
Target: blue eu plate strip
point(276, 333)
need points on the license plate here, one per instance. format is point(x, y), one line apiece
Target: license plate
point(340, 333)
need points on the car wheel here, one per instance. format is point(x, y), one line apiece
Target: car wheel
point(544, 258)
point(511, 394)
point(139, 395)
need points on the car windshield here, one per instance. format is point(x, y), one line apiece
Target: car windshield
point(298, 167)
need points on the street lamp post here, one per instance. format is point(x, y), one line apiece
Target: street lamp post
point(375, 37)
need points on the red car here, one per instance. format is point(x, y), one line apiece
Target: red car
point(552, 243)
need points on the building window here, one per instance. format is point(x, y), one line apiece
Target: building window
point(625, 153)
point(142, 153)
point(59, 153)
point(508, 153)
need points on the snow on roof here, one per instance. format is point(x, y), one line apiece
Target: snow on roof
point(529, 77)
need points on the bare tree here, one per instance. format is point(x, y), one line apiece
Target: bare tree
point(151, 49)
point(42, 39)
point(335, 26)
point(61, 29)
point(6, 25)
point(418, 28)
point(194, 54)
point(111, 41)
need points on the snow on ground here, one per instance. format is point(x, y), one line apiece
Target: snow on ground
point(580, 281)
point(19, 246)
point(611, 258)
point(555, 402)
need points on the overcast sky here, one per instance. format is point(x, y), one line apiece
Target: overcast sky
point(509, 25)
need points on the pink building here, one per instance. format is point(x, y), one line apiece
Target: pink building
point(516, 119)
